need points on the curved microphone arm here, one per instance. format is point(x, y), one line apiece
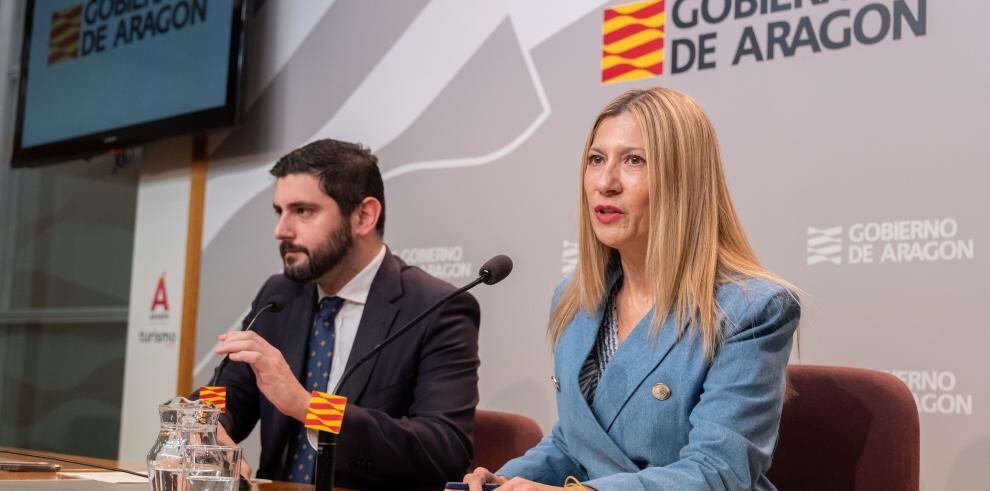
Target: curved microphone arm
point(387, 341)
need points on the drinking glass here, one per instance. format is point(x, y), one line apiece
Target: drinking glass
point(210, 468)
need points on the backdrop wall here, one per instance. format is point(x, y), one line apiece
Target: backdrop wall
point(852, 135)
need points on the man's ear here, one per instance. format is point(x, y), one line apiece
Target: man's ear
point(365, 216)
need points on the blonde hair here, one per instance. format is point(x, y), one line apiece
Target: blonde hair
point(695, 240)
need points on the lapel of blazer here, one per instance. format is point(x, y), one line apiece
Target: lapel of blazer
point(379, 313)
point(584, 429)
point(636, 358)
point(575, 345)
point(296, 328)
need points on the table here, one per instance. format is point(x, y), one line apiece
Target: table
point(57, 481)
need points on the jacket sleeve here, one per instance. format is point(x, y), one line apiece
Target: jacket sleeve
point(547, 462)
point(432, 443)
point(734, 425)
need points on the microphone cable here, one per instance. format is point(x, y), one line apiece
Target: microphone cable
point(70, 461)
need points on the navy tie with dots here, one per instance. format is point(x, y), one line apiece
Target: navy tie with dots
point(302, 456)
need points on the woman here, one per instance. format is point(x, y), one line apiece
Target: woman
point(670, 340)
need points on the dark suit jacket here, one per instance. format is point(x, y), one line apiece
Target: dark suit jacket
point(410, 411)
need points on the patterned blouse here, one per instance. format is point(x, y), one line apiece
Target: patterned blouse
point(605, 345)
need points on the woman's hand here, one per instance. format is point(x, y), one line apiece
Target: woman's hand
point(520, 484)
point(484, 476)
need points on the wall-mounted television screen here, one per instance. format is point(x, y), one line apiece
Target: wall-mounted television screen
point(104, 74)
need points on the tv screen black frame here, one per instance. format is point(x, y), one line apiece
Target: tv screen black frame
point(133, 135)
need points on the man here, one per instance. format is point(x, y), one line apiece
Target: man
point(410, 411)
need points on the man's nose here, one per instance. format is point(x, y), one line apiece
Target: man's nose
point(283, 229)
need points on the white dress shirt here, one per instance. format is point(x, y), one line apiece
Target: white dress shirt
point(345, 325)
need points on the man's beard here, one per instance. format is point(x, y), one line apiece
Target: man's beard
point(325, 257)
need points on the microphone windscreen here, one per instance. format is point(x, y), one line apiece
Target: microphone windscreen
point(495, 269)
point(277, 302)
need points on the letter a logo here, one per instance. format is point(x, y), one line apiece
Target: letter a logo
point(161, 297)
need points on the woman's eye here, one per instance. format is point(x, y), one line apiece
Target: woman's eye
point(595, 159)
point(636, 160)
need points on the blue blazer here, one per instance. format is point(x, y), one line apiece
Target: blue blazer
point(715, 429)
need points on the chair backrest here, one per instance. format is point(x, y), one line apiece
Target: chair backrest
point(500, 437)
point(847, 429)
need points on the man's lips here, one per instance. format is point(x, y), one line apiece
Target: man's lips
point(607, 213)
point(288, 249)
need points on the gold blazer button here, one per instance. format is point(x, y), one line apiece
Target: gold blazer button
point(661, 391)
point(555, 382)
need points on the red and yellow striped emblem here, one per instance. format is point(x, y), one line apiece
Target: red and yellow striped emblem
point(216, 396)
point(632, 47)
point(64, 40)
point(326, 412)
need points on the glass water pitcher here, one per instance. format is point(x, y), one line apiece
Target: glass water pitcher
point(183, 422)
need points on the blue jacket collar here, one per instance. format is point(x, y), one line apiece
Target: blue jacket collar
point(639, 354)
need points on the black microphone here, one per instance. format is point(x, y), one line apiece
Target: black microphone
point(275, 303)
point(493, 271)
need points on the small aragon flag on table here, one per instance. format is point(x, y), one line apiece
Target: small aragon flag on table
point(325, 412)
point(214, 395)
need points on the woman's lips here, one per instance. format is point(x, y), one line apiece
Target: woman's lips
point(607, 213)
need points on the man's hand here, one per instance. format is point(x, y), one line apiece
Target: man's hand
point(275, 379)
point(227, 441)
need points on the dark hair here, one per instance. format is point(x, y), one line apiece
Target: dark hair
point(348, 173)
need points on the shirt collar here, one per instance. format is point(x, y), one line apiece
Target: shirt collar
point(359, 287)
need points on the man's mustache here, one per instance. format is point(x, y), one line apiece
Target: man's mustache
point(287, 247)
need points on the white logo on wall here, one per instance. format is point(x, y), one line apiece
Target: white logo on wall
point(825, 245)
point(902, 241)
point(936, 392)
point(568, 257)
point(444, 262)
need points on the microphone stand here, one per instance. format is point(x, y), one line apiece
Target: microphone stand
point(326, 459)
